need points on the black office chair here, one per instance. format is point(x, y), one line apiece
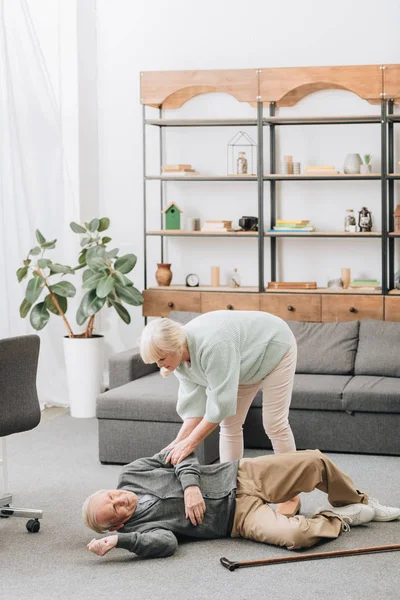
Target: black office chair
point(19, 409)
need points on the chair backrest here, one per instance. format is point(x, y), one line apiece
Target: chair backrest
point(19, 403)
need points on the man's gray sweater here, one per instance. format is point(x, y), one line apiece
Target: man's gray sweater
point(160, 513)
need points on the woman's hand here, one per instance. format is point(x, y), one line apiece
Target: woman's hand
point(195, 507)
point(103, 545)
point(180, 451)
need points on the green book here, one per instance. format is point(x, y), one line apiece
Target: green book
point(369, 281)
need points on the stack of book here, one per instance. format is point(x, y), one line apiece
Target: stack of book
point(178, 170)
point(370, 284)
point(216, 226)
point(292, 226)
point(321, 170)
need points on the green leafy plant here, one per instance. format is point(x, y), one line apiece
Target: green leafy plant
point(367, 158)
point(104, 280)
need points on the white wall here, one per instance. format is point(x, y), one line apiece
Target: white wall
point(159, 35)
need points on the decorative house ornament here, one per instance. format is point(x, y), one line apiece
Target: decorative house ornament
point(364, 219)
point(241, 155)
point(172, 219)
point(396, 215)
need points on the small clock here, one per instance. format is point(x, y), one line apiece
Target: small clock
point(192, 280)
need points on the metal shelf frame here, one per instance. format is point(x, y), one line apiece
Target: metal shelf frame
point(386, 119)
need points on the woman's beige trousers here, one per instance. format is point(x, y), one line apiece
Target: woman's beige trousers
point(277, 393)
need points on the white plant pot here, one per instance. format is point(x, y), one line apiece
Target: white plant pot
point(84, 366)
point(365, 169)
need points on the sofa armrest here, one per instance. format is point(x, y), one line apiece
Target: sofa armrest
point(127, 366)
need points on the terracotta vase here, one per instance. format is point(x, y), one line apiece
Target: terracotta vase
point(163, 273)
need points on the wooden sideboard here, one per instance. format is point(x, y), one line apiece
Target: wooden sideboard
point(317, 307)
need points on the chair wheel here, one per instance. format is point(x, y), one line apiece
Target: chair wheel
point(33, 525)
point(4, 516)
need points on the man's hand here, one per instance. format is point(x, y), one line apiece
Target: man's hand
point(195, 507)
point(104, 545)
point(180, 451)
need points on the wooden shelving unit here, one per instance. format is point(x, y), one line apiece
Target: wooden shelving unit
point(273, 88)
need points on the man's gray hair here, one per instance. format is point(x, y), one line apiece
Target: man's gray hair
point(89, 515)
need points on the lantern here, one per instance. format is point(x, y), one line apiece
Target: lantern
point(364, 219)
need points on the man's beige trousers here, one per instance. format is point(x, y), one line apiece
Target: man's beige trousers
point(277, 393)
point(278, 478)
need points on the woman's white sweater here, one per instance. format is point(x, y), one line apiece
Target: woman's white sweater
point(227, 348)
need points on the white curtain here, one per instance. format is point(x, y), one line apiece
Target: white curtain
point(36, 191)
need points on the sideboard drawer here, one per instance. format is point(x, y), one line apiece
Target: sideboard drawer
point(351, 307)
point(292, 307)
point(159, 303)
point(235, 301)
point(392, 308)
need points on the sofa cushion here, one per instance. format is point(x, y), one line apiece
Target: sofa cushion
point(378, 349)
point(150, 398)
point(311, 392)
point(325, 348)
point(372, 394)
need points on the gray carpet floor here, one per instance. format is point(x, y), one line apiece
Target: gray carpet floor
point(55, 466)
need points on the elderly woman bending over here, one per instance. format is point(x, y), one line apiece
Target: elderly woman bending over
point(221, 359)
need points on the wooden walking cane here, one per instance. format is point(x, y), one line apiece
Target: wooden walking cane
point(232, 566)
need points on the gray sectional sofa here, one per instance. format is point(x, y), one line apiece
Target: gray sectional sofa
point(346, 396)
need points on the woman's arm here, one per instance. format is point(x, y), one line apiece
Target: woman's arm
point(188, 445)
point(188, 426)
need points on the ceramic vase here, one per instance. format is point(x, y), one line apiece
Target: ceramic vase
point(352, 164)
point(163, 273)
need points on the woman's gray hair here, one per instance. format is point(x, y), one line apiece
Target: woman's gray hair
point(160, 337)
point(89, 515)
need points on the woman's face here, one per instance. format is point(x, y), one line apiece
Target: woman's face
point(170, 361)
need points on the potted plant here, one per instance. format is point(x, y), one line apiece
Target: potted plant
point(104, 283)
point(365, 169)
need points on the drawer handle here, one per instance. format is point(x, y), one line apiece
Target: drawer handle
point(229, 307)
point(290, 307)
point(170, 304)
point(352, 309)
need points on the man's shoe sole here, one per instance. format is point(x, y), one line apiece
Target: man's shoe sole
point(386, 519)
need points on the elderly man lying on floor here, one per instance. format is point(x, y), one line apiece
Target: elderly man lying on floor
point(154, 502)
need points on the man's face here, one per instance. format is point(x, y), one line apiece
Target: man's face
point(113, 508)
